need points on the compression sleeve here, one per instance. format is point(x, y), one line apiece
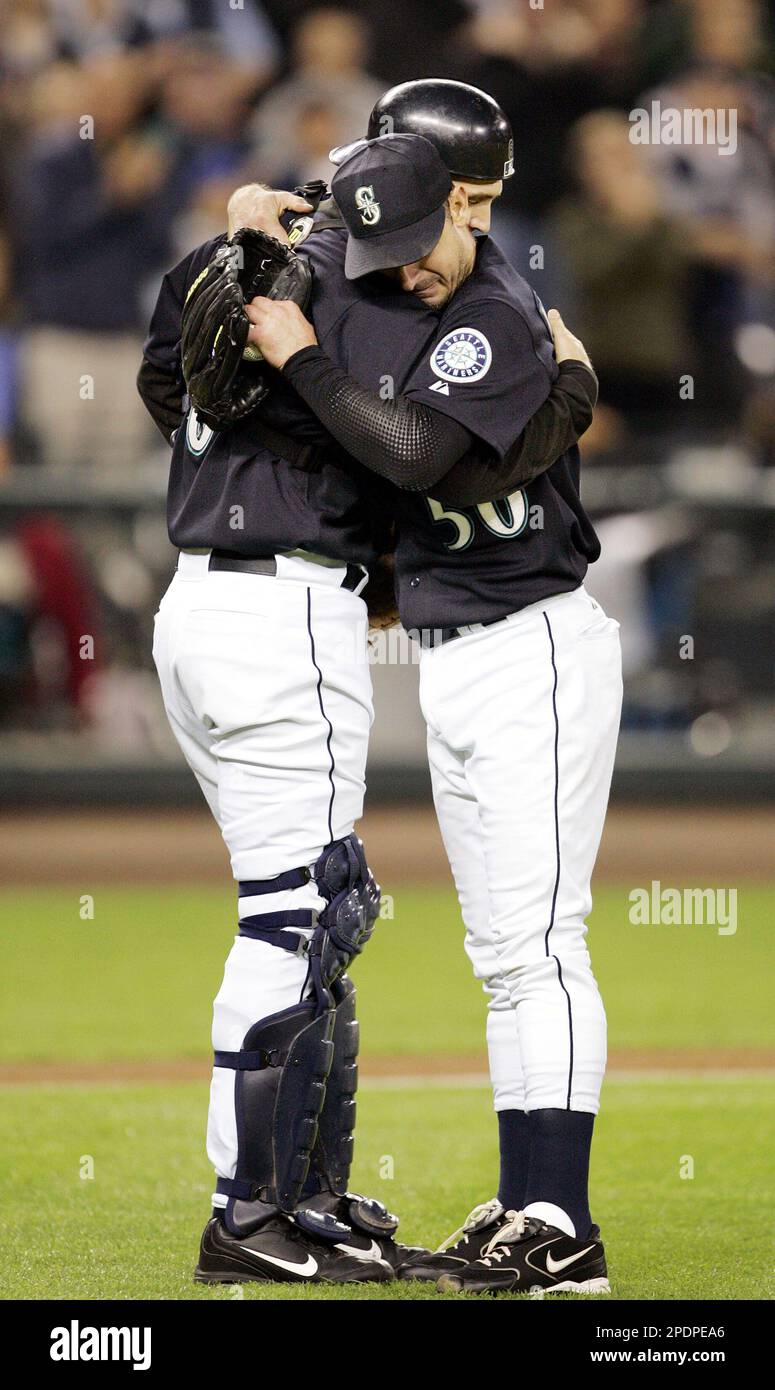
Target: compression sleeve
point(556, 426)
point(404, 441)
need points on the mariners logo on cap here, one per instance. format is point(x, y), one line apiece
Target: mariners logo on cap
point(368, 206)
point(463, 355)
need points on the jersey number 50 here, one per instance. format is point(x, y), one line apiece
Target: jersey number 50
point(506, 519)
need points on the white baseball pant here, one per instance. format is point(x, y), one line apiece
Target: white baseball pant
point(522, 722)
point(267, 689)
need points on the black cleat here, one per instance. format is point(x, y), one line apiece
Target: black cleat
point(525, 1255)
point(459, 1249)
point(281, 1252)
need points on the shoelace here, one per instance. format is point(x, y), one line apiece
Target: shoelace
point(513, 1228)
point(478, 1217)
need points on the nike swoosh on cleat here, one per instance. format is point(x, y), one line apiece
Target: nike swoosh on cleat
point(554, 1266)
point(304, 1271)
point(374, 1253)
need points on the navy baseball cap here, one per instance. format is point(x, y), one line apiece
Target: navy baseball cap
point(391, 193)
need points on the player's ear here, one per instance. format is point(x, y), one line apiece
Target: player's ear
point(457, 202)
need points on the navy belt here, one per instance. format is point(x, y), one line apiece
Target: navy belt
point(437, 636)
point(267, 565)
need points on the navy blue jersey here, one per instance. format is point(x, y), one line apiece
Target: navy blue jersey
point(229, 492)
point(490, 367)
point(486, 359)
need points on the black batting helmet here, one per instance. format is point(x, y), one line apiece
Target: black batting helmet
point(468, 127)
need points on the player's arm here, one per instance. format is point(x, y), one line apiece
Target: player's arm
point(556, 426)
point(406, 442)
point(409, 444)
point(162, 395)
point(513, 373)
point(415, 438)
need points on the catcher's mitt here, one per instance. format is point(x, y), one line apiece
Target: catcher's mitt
point(222, 385)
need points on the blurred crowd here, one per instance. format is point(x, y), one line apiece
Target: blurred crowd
point(125, 124)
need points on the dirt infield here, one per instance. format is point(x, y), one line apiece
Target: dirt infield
point(143, 847)
point(409, 1067)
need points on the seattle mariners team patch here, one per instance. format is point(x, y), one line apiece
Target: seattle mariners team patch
point(463, 355)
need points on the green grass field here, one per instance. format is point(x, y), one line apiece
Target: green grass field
point(137, 981)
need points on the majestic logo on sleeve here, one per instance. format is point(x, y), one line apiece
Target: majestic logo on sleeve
point(368, 206)
point(464, 355)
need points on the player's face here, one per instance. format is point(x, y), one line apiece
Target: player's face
point(435, 278)
point(479, 200)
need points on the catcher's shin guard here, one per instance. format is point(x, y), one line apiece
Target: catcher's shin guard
point(326, 1192)
point(285, 1061)
point(332, 1154)
point(279, 1090)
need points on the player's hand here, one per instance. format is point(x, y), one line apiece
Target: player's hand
point(279, 329)
point(567, 347)
point(253, 205)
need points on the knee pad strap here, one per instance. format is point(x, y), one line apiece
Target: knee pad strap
point(270, 927)
point(256, 888)
point(339, 932)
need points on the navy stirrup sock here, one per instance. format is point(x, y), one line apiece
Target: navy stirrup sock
point(514, 1138)
point(560, 1143)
